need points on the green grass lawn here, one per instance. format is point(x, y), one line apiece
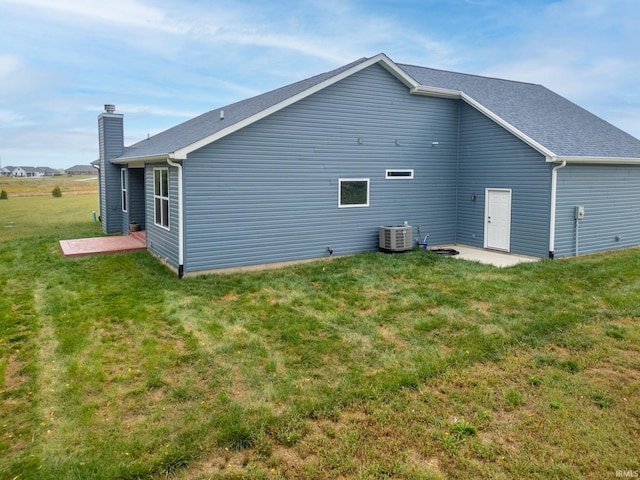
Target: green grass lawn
point(372, 366)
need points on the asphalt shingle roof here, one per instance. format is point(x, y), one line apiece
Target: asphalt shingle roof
point(546, 117)
point(209, 123)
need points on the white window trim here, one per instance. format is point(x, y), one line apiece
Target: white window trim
point(402, 177)
point(360, 205)
point(123, 189)
point(155, 197)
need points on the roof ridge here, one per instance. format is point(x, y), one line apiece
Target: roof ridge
point(486, 77)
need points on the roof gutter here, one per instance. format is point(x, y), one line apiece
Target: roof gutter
point(180, 219)
point(435, 91)
point(597, 160)
point(149, 158)
point(552, 215)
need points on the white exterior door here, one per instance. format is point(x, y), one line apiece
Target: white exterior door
point(497, 226)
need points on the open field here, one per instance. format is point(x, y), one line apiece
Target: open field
point(372, 366)
point(30, 187)
point(65, 217)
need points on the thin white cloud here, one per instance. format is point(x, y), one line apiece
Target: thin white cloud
point(584, 50)
point(128, 13)
point(155, 110)
point(10, 119)
point(162, 62)
point(9, 65)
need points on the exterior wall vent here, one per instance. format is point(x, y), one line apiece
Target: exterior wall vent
point(395, 238)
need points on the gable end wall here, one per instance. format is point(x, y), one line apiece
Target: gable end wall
point(269, 192)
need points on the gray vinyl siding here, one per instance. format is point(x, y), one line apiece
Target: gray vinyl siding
point(491, 157)
point(110, 132)
point(610, 195)
point(160, 241)
point(269, 192)
point(136, 197)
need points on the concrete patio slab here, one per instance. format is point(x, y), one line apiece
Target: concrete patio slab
point(489, 257)
point(97, 245)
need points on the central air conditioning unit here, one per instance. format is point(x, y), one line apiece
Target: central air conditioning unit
point(396, 238)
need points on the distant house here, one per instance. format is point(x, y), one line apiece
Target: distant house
point(49, 172)
point(26, 172)
point(29, 172)
point(317, 166)
point(81, 170)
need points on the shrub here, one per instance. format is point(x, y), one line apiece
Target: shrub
point(3, 195)
point(56, 192)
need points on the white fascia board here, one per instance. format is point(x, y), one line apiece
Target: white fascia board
point(436, 92)
point(503, 123)
point(386, 62)
point(397, 72)
point(597, 160)
point(140, 160)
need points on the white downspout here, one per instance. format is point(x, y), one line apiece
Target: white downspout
point(180, 220)
point(552, 220)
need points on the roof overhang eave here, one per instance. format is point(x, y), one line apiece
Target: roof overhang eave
point(595, 160)
point(436, 92)
point(141, 159)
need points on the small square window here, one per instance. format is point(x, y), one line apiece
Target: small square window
point(353, 192)
point(399, 174)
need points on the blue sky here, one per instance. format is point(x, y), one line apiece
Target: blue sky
point(163, 62)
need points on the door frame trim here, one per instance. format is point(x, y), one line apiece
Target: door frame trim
point(486, 217)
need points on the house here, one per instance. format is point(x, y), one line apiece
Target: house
point(49, 172)
point(81, 170)
point(317, 166)
point(27, 172)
